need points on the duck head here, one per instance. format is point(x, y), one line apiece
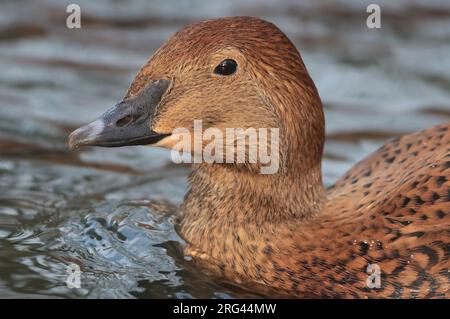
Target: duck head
point(238, 72)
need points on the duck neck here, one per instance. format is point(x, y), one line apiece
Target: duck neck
point(223, 198)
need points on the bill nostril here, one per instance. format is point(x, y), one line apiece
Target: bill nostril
point(124, 121)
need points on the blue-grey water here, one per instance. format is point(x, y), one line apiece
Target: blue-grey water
point(108, 210)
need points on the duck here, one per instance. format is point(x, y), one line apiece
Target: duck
point(381, 231)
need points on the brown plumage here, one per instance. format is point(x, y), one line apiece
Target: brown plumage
point(285, 231)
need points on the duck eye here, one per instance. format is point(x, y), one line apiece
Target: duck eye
point(226, 67)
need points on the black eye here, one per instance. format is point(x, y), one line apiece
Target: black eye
point(226, 67)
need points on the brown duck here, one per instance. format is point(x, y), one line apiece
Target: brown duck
point(389, 215)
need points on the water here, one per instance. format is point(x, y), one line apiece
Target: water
point(108, 210)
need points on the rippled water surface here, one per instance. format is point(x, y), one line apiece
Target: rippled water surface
point(109, 210)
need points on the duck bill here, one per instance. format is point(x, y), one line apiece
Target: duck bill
point(127, 123)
